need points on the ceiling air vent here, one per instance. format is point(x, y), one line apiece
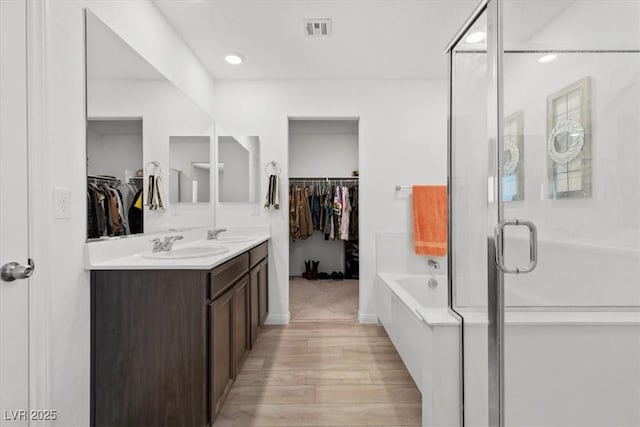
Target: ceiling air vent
point(317, 27)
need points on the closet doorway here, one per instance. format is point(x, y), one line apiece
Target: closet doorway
point(323, 220)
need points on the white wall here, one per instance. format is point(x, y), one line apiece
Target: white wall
point(402, 141)
point(323, 148)
point(330, 253)
point(57, 72)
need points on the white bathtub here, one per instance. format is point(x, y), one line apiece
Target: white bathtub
point(427, 337)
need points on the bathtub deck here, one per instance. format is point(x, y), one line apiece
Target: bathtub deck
point(330, 373)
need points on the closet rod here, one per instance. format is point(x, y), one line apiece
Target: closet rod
point(103, 179)
point(351, 178)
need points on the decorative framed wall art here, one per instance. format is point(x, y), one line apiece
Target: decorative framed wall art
point(568, 144)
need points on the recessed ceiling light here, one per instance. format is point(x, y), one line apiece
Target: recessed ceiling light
point(476, 37)
point(548, 58)
point(234, 59)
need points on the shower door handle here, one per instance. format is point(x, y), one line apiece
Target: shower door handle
point(533, 246)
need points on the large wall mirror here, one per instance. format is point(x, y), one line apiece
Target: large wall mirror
point(143, 133)
point(238, 169)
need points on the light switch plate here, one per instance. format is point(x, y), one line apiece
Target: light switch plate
point(62, 203)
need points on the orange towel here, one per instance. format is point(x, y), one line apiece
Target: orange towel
point(430, 219)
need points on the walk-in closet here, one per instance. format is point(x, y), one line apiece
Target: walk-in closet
point(323, 219)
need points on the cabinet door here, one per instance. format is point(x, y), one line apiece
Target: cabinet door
point(254, 306)
point(263, 292)
point(149, 351)
point(241, 330)
point(221, 349)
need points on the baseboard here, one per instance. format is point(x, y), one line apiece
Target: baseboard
point(278, 319)
point(367, 318)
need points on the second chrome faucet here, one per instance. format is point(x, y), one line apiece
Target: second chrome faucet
point(215, 233)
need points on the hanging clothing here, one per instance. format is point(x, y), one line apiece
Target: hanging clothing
point(294, 218)
point(328, 213)
point(315, 208)
point(337, 214)
point(322, 210)
point(330, 209)
point(346, 212)
point(114, 214)
point(306, 223)
point(136, 217)
point(92, 216)
point(105, 211)
point(121, 211)
point(353, 217)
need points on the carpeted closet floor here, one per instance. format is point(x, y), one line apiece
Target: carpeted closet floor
point(317, 300)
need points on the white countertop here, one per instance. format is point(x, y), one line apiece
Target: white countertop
point(128, 254)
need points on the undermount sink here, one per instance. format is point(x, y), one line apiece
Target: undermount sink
point(188, 252)
point(232, 239)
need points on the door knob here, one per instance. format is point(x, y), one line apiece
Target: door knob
point(13, 271)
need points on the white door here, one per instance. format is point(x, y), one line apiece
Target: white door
point(14, 237)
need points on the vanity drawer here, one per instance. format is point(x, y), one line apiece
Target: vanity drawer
point(258, 253)
point(228, 273)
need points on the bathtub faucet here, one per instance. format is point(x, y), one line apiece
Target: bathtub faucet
point(434, 264)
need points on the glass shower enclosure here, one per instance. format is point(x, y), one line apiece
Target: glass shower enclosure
point(544, 193)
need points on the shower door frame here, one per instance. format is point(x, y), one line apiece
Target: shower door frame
point(495, 277)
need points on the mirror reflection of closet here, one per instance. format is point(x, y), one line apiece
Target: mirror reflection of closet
point(114, 171)
point(125, 91)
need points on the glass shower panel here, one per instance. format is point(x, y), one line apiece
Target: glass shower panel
point(571, 142)
point(470, 158)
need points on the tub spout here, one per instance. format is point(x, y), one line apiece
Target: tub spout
point(434, 264)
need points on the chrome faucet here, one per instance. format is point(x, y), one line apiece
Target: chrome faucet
point(215, 233)
point(434, 264)
point(166, 246)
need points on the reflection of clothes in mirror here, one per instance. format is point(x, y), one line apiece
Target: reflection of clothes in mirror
point(108, 208)
point(136, 217)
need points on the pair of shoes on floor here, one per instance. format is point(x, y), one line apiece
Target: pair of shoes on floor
point(311, 270)
point(337, 275)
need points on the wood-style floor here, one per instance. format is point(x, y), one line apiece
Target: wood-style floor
point(322, 373)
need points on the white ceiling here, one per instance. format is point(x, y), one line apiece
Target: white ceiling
point(372, 39)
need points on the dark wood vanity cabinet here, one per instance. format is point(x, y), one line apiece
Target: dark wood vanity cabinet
point(259, 277)
point(241, 332)
point(254, 304)
point(222, 342)
point(149, 346)
point(263, 291)
point(166, 345)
